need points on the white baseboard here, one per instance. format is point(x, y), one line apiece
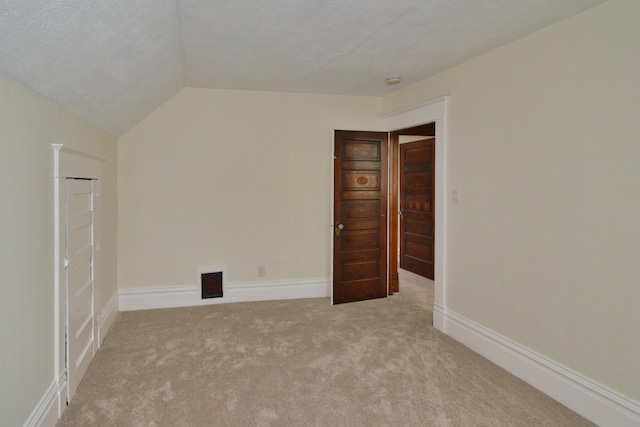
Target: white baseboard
point(595, 402)
point(186, 296)
point(62, 393)
point(107, 317)
point(45, 414)
point(438, 317)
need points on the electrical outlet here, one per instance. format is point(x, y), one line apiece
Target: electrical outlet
point(262, 271)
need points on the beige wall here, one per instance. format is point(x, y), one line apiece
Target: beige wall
point(544, 146)
point(29, 124)
point(235, 178)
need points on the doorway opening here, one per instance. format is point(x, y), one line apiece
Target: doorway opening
point(412, 203)
point(432, 113)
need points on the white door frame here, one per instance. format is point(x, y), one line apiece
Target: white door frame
point(69, 163)
point(429, 112)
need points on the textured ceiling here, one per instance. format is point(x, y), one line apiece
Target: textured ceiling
point(114, 61)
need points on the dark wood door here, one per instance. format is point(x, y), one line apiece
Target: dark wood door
point(417, 165)
point(360, 216)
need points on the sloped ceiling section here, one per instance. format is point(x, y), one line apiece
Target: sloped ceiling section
point(110, 61)
point(114, 61)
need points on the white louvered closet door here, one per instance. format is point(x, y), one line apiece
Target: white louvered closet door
point(80, 279)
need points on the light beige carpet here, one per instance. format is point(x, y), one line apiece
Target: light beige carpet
point(301, 363)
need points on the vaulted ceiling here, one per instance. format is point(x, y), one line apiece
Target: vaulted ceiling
point(114, 61)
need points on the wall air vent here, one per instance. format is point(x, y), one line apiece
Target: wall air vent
point(211, 285)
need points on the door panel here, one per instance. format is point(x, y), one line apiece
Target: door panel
point(360, 206)
point(417, 166)
point(79, 290)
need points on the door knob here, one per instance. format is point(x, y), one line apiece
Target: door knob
point(338, 228)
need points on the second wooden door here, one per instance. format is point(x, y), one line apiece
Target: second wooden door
point(417, 165)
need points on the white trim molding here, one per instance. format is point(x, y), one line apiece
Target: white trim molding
point(106, 317)
point(434, 111)
point(190, 295)
point(426, 112)
point(62, 393)
point(595, 402)
point(45, 414)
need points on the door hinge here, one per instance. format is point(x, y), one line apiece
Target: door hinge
point(66, 262)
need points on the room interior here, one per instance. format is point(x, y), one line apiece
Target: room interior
point(538, 263)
